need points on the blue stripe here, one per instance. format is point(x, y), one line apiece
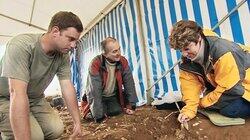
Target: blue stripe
point(114, 20)
point(118, 18)
point(172, 11)
point(108, 25)
point(137, 51)
point(116, 25)
point(183, 9)
point(102, 30)
point(104, 27)
point(121, 31)
point(96, 38)
point(173, 20)
point(248, 2)
point(112, 24)
point(128, 36)
point(235, 22)
point(87, 39)
point(168, 51)
point(158, 45)
point(151, 52)
point(92, 39)
point(100, 36)
point(197, 12)
point(212, 15)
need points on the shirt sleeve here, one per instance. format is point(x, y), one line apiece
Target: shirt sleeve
point(191, 88)
point(63, 72)
point(226, 77)
point(15, 62)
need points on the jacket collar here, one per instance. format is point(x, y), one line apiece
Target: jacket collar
point(103, 65)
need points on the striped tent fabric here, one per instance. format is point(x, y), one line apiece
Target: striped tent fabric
point(122, 24)
point(148, 41)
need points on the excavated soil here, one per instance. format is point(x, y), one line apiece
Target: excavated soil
point(149, 123)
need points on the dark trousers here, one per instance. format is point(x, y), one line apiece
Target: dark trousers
point(238, 108)
point(111, 106)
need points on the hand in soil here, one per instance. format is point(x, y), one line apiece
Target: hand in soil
point(129, 111)
point(183, 118)
point(77, 131)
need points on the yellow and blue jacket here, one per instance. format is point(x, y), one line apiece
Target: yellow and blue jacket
point(224, 75)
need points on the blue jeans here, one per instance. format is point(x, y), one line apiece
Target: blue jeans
point(238, 108)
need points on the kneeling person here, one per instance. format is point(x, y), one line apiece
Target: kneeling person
point(108, 73)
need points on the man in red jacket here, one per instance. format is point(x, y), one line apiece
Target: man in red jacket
point(108, 73)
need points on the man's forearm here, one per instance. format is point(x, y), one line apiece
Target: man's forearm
point(19, 116)
point(72, 105)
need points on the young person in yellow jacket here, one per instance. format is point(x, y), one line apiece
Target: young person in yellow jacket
point(214, 74)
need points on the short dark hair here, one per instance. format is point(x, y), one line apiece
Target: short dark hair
point(183, 33)
point(106, 41)
point(64, 20)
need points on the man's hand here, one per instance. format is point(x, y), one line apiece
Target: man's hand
point(77, 131)
point(69, 95)
point(129, 111)
point(183, 118)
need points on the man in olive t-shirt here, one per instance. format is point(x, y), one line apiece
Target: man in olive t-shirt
point(27, 68)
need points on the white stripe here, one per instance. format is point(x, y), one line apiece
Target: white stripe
point(244, 16)
point(168, 16)
point(124, 32)
point(115, 22)
point(110, 25)
point(178, 10)
point(141, 62)
point(173, 52)
point(154, 47)
point(163, 48)
point(119, 27)
point(205, 14)
point(148, 59)
point(225, 27)
point(106, 27)
point(132, 48)
point(99, 38)
point(190, 10)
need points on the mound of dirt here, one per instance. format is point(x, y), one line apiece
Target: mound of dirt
point(149, 123)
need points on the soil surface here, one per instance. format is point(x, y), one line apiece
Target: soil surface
point(149, 123)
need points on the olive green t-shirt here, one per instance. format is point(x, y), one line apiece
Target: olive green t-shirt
point(25, 60)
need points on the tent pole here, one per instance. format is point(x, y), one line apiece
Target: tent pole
point(23, 22)
point(33, 7)
point(142, 38)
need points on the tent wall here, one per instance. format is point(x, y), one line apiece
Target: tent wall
point(157, 17)
point(121, 23)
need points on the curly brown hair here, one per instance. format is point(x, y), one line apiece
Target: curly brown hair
point(183, 33)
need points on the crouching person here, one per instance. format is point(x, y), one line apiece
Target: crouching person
point(108, 74)
point(218, 67)
point(28, 66)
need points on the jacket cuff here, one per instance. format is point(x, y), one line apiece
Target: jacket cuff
point(191, 114)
